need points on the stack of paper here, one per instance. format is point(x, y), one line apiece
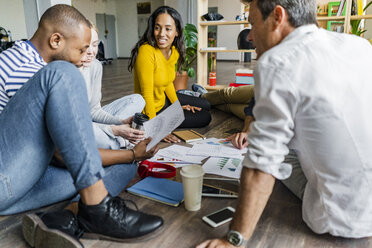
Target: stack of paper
point(178, 155)
point(223, 158)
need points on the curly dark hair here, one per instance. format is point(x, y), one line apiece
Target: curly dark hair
point(148, 36)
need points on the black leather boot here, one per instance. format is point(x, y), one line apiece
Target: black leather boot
point(113, 220)
point(55, 229)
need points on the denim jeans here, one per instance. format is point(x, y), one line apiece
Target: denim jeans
point(126, 106)
point(123, 108)
point(50, 111)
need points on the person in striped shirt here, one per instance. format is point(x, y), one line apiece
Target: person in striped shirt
point(44, 107)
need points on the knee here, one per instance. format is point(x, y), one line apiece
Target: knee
point(199, 119)
point(63, 67)
point(206, 104)
point(139, 101)
point(63, 72)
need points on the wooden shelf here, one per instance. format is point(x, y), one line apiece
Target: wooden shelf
point(331, 18)
point(319, 18)
point(202, 59)
point(360, 17)
point(341, 18)
point(226, 51)
point(218, 23)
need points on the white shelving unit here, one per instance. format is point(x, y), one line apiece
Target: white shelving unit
point(202, 60)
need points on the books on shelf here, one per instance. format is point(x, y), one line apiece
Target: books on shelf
point(236, 85)
point(159, 189)
point(341, 8)
point(359, 7)
point(244, 76)
point(189, 135)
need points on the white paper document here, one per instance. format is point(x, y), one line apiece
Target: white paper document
point(216, 148)
point(164, 123)
point(217, 142)
point(165, 160)
point(228, 167)
point(180, 153)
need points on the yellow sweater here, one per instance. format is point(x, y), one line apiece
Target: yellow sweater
point(154, 76)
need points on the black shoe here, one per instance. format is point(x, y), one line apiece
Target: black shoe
point(198, 88)
point(113, 220)
point(54, 229)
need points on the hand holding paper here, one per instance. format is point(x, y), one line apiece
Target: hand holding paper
point(164, 123)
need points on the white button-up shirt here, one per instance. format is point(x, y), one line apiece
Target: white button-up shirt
point(314, 94)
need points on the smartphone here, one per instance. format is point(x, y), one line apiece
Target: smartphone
point(219, 217)
point(215, 192)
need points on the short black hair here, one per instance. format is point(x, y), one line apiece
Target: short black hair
point(63, 15)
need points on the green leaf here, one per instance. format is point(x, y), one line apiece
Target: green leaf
point(190, 34)
point(191, 72)
point(191, 28)
point(365, 8)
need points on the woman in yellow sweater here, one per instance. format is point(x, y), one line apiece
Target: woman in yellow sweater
point(153, 61)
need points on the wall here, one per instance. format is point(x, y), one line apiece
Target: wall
point(227, 35)
point(127, 24)
point(186, 8)
point(12, 18)
point(89, 8)
point(180, 6)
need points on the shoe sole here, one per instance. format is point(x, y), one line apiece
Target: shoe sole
point(38, 235)
point(129, 240)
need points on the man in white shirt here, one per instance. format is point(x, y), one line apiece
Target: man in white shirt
point(313, 94)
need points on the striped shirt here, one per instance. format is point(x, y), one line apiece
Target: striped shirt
point(17, 65)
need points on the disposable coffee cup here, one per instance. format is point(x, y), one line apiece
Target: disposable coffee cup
point(138, 121)
point(192, 180)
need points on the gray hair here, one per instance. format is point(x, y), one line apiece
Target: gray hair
point(300, 12)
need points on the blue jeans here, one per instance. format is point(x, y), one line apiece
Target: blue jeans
point(123, 108)
point(50, 111)
point(126, 106)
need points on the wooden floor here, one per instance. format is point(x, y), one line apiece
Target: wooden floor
point(281, 224)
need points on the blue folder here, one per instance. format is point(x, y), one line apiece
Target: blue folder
point(159, 189)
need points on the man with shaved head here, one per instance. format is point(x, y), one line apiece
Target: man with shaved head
point(44, 107)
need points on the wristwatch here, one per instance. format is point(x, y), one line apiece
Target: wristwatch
point(236, 239)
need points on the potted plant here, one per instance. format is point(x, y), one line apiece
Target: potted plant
point(355, 29)
point(190, 34)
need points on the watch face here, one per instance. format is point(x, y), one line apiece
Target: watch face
point(235, 238)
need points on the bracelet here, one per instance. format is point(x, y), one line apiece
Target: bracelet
point(134, 155)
